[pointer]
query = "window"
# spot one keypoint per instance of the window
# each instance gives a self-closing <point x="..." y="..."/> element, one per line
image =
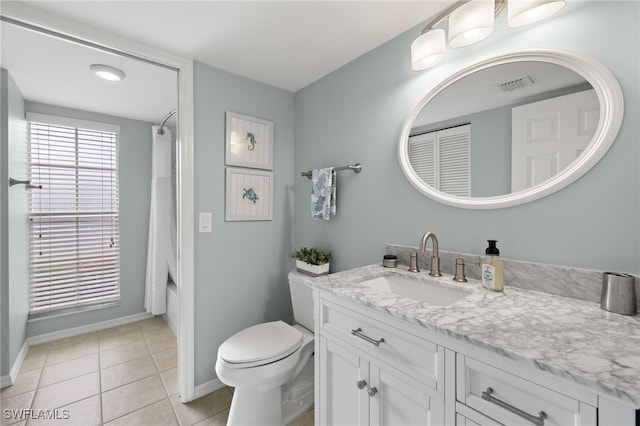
<point x="442" y="159"/>
<point x="74" y="258"/>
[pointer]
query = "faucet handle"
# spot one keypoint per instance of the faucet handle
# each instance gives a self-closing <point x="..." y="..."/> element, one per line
<point x="413" y="264"/>
<point x="459" y="276"/>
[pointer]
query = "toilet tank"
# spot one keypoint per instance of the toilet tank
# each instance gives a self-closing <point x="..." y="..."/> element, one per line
<point x="302" y="300"/>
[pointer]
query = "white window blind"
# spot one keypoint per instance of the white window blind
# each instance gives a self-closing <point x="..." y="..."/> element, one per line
<point x="74" y="258"/>
<point x="422" y="155"/>
<point x="442" y="159"/>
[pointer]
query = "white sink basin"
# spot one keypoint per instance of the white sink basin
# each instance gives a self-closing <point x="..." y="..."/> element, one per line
<point x="423" y="291"/>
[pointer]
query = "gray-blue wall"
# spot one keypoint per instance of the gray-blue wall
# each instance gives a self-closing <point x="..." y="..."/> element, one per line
<point x="13" y="224"/>
<point x="356" y="114"/>
<point x="241" y="267"/>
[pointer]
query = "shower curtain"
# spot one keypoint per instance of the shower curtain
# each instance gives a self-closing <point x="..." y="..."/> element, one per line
<point x="161" y="253"/>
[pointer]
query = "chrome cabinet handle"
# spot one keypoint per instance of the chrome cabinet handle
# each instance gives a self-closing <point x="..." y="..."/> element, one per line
<point x="361" y="384"/>
<point x="536" y="420"/>
<point x="358" y="332"/>
<point x="372" y="391"/>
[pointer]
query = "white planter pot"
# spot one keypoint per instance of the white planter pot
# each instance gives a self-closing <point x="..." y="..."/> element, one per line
<point x="313" y="270"/>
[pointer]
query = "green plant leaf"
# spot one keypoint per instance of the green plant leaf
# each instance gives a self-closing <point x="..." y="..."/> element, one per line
<point x="312" y="256"/>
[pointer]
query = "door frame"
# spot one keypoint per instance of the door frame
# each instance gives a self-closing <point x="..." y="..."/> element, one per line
<point x="59" y="26"/>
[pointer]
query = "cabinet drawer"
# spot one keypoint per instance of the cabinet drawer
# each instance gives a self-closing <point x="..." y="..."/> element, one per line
<point x="418" y="358"/>
<point x="510" y="399"/>
<point x="465" y="416"/>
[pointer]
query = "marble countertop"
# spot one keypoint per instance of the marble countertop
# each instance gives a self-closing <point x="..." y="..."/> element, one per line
<point x="571" y="338"/>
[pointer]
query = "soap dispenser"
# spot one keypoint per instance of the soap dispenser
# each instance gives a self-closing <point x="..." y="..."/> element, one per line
<point x="491" y="268"/>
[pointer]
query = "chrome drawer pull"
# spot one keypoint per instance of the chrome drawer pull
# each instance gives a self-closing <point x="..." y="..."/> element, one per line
<point x="358" y="332"/>
<point x="536" y="420"/>
<point x="372" y="392"/>
<point x="361" y="384"/>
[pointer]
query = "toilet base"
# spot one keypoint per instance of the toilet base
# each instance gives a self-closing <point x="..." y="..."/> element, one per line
<point x="264" y="409"/>
<point x="274" y="407"/>
<point x="297" y="397"/>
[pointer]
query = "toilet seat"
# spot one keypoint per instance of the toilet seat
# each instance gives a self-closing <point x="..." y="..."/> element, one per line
<point x="260" y="344"/>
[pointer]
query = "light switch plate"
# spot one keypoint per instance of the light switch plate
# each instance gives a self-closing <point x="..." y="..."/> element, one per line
<point x="205" y="222"/>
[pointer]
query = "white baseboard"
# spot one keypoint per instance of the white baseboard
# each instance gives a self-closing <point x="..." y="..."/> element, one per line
<point x="172" y="325"/>
<point x="76" y="331"/>
<point x="207" y="387"/>
<point x="10" y="378"/>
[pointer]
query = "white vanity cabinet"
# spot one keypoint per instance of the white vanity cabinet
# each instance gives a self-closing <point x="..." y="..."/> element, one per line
<point x="371" y="373"/>
<point x="375" y="369"/>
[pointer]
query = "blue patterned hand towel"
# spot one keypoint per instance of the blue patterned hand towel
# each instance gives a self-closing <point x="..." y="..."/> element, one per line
<point x="323" y="193"/>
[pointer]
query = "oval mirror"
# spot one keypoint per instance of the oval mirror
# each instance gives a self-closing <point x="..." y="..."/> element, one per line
<point x="511" y="129"/>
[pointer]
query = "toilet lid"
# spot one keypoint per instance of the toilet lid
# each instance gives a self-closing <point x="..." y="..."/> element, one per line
<point x="266" y="342"/>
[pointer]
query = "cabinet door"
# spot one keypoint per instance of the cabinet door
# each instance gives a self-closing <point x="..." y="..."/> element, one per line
<point x="341" y="401"/>
<point x="394" y="401"/>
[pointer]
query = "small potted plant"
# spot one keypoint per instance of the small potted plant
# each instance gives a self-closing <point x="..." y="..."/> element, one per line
<point x="312" y="261"/>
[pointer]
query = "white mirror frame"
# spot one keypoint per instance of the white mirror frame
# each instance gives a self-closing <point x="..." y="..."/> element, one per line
<point x="611" y="113"/>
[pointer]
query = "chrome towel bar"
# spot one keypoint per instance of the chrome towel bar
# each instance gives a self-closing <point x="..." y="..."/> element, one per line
<point x="356" y="168"/>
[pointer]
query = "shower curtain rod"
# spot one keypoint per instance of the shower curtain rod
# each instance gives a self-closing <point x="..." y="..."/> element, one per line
<point x="164" y="120"/>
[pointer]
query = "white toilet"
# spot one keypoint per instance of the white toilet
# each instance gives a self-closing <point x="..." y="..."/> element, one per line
<point x="270" y="365"/>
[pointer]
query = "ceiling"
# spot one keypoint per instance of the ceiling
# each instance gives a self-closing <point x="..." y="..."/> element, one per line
<point x="53" y="71"/>
<point x="286" y="44"/>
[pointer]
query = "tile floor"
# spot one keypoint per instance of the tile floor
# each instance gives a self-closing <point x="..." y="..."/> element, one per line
<point x="125" y="375"/>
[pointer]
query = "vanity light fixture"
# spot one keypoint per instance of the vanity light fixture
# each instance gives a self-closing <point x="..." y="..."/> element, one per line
<point x="107" y="72"/>
<point x="428" y="49"/>
<point x="471" y="21"/>
<point x="521" y="13"/>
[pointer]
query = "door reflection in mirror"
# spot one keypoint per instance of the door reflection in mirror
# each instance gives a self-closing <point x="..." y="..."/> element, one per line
<point x="491" y="104"/>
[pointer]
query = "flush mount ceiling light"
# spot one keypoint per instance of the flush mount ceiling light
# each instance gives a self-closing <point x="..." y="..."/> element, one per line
<point x="471" y="21"/>
<point x="107" y="72"/>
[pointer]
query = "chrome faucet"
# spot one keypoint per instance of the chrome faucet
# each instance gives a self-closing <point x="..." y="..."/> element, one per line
<point x="435" y="259"/>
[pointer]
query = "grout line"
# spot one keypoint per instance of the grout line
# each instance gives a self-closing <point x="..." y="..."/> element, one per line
<point x="157" y="373"/>
<point x="164" y="387"/>
<point x="100" y="381"/>
<point x="37" y="389"/>
<point x="173" y="410"/>
<point x="141" y="408"/>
